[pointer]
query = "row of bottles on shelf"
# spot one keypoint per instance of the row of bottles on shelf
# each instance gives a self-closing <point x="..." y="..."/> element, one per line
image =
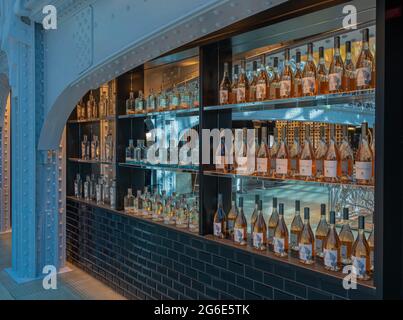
<point x="95" y="110"/>
<point x="101" y="190"/>
<point x="183" y="97"/>
<point x="174" y="210"/>
<point x="329" y="161"/>
<point x="91" y="150"/>
<point x="326" y="245"/>
<point x="341" y="76"/>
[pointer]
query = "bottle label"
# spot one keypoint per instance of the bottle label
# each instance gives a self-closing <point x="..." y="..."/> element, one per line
<point x="261" y="91"/>
<point x="217" y="229"/>
<point x="241" y="94"/>
<point x="319" y="245"/>
<point x="285" y="88"/>
<point x="330" y="258"/>
<point x="261" y="165"/>
<point x="305" y="168"/>
<point x="334" y="81"/>
<point x="223" y="96"/>
<point x="257" y="239"/>
<point x="281" y="166"/>
<point x="330" y="169"/>
<point x="363" y="170"/>
<point x="360" y="265"/>
<point x="305" y="252"/>
<point x="308" y="85"/>
<point x="278" y="245"/>
<point x="363" y="76"/>
<point x="219" y="162"/>
<point x="242" y="164"/>
<point x="293" y="239"/>
<point x="239" y="234"/>
<point x="343" y="252"/>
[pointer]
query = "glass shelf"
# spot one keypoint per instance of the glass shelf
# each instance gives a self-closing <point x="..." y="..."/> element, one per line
<point x="345" y="108"/>
<point x="284" y="181"/>
<point x="170" y="113"/>
<point x="189" y="169"/>
<point x="108" y="118"/>
<point x="79" y="160"/>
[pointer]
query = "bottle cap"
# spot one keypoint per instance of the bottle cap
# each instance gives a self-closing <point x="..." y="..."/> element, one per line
<point x="361" y="222"/>
<point x="297" y="205"/>
<point x="332" y="217"/>
<point x="348" y="46"/>
<point x="322" y="209"/>
<point x="306" y="213"/>
<point x="337" y="42"/>
<point x="281" y="208"/>
<point x="345" y="214"/>
<point x="241" y="202"/>
<point x="274" y="202"/>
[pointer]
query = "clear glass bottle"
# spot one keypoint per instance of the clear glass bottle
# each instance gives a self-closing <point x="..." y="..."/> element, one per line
<point x="259" y="234"/>
<point x="231" y="217"/>
<point x="346" y="238"/>
<point x="322" y="77"/>
<point x="253" y="82"/>
<point x="99" y="191"/>
<point x="194" y="217"/>
<point x="95" y="148"/>
<point x="350" y="82"/>
<point x="286" y="82"/>
<point x="139" y="151"/>
<point x="85" y="154"/>
<point x="140" y="103"/>
<point x="241" y="226"/>
<point x="243" y="85"/>
<point x="262" y="85"/>
<point x="306" y="241"/>
<point x="307" y="157"/>
<point x="273" y="221"/>
<point x="87" y="188"/>
<point x="80" y="108"/>
<point x="365" y="65"/>
<point x="220" y="220"/>
<point x="112" y="194"/>
<point x="282" y="158"/>
<point x="163" y="100"/>
<point x="78" y="186"/>
<point x="234" y="88"/>
<point x="175" y="99"/>
<point x="336" y="69"/>
<point x="222" y="157"/>
<point x="225" y="86"/>
<point x="186" y="97"/>
<point x="93" y="184"/>
<point x="332" y="159"/>
<point x="263" y="155"/>
<point x="280" y="239"/>
<point x="254" y="213"/>
<point x="293" y="153"/>
<point x="158" y="208"/>
<point x="346" y="158"/>
<point x="106" y="192"/>
<point x="109" y="146"/>
<point x="364" y="158"/>
<point x="320" y="154"/>
<point x="131" y="104"/>
<point x="274" y="88"/>
<point x="103" y="105"/>
<point x="321" y="231"/>
<point x="297" y="88"/>
<point x="331" y="247"/>
<point x="296" y="227"/>
<point x="182" y="215"/>
<point x="309" y="86"/>
<point x="130" y="151"/>
<point x="138" y="204"/>
<point x="128" y="201"/>
<point x="360" y="253"/>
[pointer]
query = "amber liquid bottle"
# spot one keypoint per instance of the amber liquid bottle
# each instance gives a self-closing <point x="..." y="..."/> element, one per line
<point x="321" y="231"/>
<point x="259" y="235"/>
<point x="297" y="88"/>
<point x="243" y="85"/>
<point x="241" y="226"/>
<point x="273" y="152"/>
<point x="371" y="244"/>
<point x="280" y="239"/>
<point x="309" y="87"/>
<point x="293" y="153"/>
<point x="262" y="85"/>
<point x="273" y="221"/>
<point x="275" y="81"/>
<point x="320" y="154"/>
<point x="364" y="158"/>
<point x="282" y="160"/>
<point x="231" y="217"/>
<point x="331" y="247"/>
<point x="233" y="97"/>
<point x="336" y="70"/>
<point x="307" y="158"/>
<point x="360" y="254"/>
<point x="321" y="75"/>
<point x="306" y="241"/>
<point x="263" y="155"/>
<point x="225" y="87"/>
<point x="296" y="227"/>
<point x="254" y="213"/>
<point x="365" y="65"/>
<point x="350" y="81"/>
<point x="220" y="220"/>
<point x="332" y="159"/>
<point x="253" y="83"/>
<point x="346" y="158"/>
<point x="286" y="81"/>
<point x="346" y="239"/>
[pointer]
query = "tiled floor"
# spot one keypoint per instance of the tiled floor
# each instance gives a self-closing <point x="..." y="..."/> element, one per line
<point x="73" y="285"/>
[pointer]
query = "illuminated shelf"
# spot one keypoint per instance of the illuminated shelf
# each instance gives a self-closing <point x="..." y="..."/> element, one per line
<point x="189" y="169"/>
<point x="108" y="118"/>
<point x="284" y="181"/>
<point x="345" y="108"/>
<point x="79" y="160"/>
<point x="169" y="113"/>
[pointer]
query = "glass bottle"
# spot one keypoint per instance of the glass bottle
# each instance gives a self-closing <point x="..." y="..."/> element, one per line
<point x="259" y="234"/>
<point x="80" y="109"/>
<point x="296" y="227"/>
<point x="331" y="247"/>
<point x="109" y="147"/>
<point x="365" y="65"/>
<point x="112" y="194"/>
<point x="92" y="108"/>
<point x="286" y="82"/>
<point x="158" y="208"/>
<point x="140" y="103"/>
<point x="175" y="99"/>
<point x="95" y="148"/>
<point x="182" y="215"/>
<point x="297" y="89"/>
<point x="243" y="85"/>
<point x="263" y="155"/>
<point x="282" y="158"/>
<point x="130" y="151"/>
<point x="363" y="161"/>
<point x="346" y="238"/>
<point x="346" y="158"/>
<point x="131" y="104"/>
<point x="321" y="231"/>
<point x="307" y="158"/>
<point x="78" y="186"/>
<point x="350" y="82"/>
<point x="186" y="97"/>
<point x="332" y="159"/>
<point x="195" y="94"/>
<point x="138" y="204"/>
<point x="194" y="218"/>
<point x="163" y="101"/>
<point x="321" y="74"/>
<point x="373" y="153"/>
<point x="262" y="85"/>
<point x="241" y="151"/>
<point x="273" y="221"/>
<point x="273" y="152"/>
<point x="240" y="226"/>
<point x="306" y="241"/>
<point x="280" y="239"/>
<point x="253" y="83"/>
<point x="254" y="213"/>
<point x="221" y="157"/>
<point x="336" y="69"/>
<point x="106" y="191"/>
<point x="87" y="188"/>
<point x="128" y="201"/>
<point x="220" y="220"/>
<point x="275" y="81"/>
<point x="139" y="151"/>
<point x="360" y="253"/>
<point x="371" y="244"/>
<point x="309" y="87"/>
<point x="85" y="148"/>
<point x="92" y="187"/>
<point x="100" y="191"/>
<point x="232" y="214"/>
<point x="152" y="102"/>
<point x="294" y="153"/>
<point x="103" y="105"/>
<point x="225" y="86"/>
<point x="320" y="154"/>
<point x="233" y="97"/>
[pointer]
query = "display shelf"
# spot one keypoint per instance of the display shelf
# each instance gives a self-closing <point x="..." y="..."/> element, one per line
<point x="169" y="113"/>
<point x="351" y="108"/>
<point x="79" y="160"/>
<point x="108" y="118"/>
<point x="284" y="181"/>
<point x="189" y="169"/>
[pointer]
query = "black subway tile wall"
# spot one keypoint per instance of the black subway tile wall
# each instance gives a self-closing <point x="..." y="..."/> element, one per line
<point x="144" y="260"/>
